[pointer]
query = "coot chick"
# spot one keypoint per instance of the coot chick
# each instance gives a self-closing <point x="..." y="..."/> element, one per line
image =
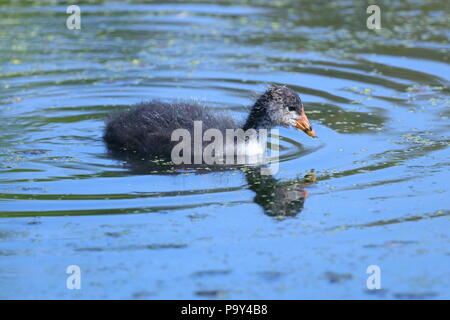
<point x="146" y="128"/>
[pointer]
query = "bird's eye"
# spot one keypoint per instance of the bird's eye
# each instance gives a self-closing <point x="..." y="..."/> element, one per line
<point x="292" y="108"/>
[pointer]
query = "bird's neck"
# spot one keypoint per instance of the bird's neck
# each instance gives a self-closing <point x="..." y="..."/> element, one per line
<point x="258" y="118"/>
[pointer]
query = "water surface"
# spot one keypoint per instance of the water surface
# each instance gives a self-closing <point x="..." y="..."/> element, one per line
<point x="373" y="190"/>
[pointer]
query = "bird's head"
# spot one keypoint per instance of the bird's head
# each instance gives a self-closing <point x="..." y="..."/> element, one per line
<point x="284" y="108"/>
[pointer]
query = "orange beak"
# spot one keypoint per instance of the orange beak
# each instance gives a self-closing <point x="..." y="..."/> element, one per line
<point x="304" y="125"/>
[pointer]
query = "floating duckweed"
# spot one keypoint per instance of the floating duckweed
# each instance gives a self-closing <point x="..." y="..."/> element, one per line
<point x="275" y="25"/>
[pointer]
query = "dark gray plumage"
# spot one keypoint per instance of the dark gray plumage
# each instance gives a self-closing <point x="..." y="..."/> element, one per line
<point x="146" y="129"/>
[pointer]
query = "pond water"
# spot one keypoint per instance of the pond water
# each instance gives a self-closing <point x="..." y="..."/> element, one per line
<point x="372" y="190"/>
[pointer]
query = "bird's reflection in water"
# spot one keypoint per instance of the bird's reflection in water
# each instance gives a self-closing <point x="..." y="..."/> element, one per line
<point x="279" y="198"/>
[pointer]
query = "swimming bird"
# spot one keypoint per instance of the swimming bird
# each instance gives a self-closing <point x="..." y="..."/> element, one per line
<point x="146" y="129"/>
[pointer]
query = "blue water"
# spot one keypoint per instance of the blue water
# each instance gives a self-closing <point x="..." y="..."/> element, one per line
<point x="372" y="190"/>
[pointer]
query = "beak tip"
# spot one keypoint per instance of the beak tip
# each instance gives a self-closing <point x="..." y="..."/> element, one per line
<point x="312" y="134"/>
<point x="304" y="125"/>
